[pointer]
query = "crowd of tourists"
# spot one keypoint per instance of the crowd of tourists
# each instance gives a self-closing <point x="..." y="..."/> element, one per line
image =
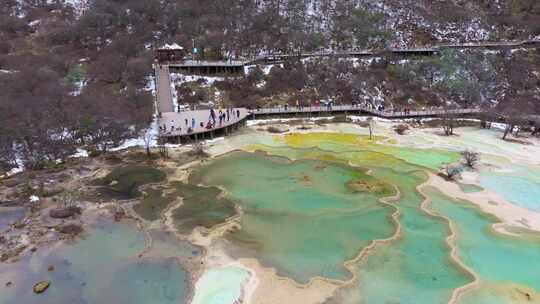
<point x="216" y="119"/>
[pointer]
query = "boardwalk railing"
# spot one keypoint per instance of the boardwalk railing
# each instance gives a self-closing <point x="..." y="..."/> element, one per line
<point x="412" y="50"/>
<point x="356" y="108"/>
<point x="178" y="125"/>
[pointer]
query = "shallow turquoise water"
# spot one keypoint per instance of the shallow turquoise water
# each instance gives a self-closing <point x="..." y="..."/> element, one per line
<point x="517" y="187"/>
<point x="9" y="215"/>
<point x="279" y="226"/>
<point x="102" y="268"/>
<point x="300" y="217"/>
<point x="494" y="257"/>
<point x="220" y="285"/>
<point x="416" y="264"/>
<point x="306" y="218"/>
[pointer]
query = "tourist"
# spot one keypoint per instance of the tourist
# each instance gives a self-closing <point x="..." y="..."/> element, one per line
<point x="228" y="114"/>
<point x="213" y="116"/>
<point x="193" y="123"/>
<point x="238" y="113"/>
<point x="202" y="124"/>
<point x="186" y="120"/>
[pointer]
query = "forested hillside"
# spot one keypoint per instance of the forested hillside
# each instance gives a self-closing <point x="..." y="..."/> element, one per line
<point x="78" y="73"/>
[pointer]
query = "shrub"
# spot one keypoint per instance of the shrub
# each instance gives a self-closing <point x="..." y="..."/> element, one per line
<point x="470" y="158"/>
<point x="275" y="130"/>
<point x="198" y="151"/>
<point x="451" y="171"/>
<point x="401" y="129"/>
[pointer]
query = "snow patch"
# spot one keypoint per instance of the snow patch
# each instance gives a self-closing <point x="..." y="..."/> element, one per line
<point x="148" y="136"/>
<point x="215" y="140"/>
<point x="80" y="153"/>
<point x="79" y="86"/>
<point x="173" y="46"/>
<point x="79" y="6"/>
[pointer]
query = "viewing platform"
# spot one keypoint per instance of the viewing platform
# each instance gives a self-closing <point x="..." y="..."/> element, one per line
<point x="181" y="126"/>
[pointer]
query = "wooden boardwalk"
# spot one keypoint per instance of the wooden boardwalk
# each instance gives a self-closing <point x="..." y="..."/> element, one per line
<point x="420" y="51"/>
<point x="174" y="124"/>
<point x="360" y="110"/>
<point x="188" y="123"/>
<point x="163" y="87"/>
<point x="177" y="127"/>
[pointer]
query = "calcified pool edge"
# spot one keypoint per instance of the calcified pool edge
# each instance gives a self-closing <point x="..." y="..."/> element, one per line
<point x="450" y="240"/>
<point x="208" y="238"/>
<point x="365" y="252"/>
<point x="76" y="275"/>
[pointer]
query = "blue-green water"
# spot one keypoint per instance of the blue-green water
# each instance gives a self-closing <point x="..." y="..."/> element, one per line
<point x="493" y="256"/>
<point x="221" y="285"/>
<point x="320" y="226"/>
<point x="102" y="268"/>
<point x="520" y="187"/>
<point x="310" y="204"/>
<point x="419" y="262"/>
<point x="9" y="215"/>
<point x="300" y="217"/>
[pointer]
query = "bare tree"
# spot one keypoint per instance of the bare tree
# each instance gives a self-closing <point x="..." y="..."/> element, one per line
<point x="371" y="125"/>
<point x="161" y="141"/>
<point x="198" y="150"/>
<point x="8" y="155"/>
<point x="67" y="205"/>
<point x="470" y="158"/>
<point x="448" y="120"/>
